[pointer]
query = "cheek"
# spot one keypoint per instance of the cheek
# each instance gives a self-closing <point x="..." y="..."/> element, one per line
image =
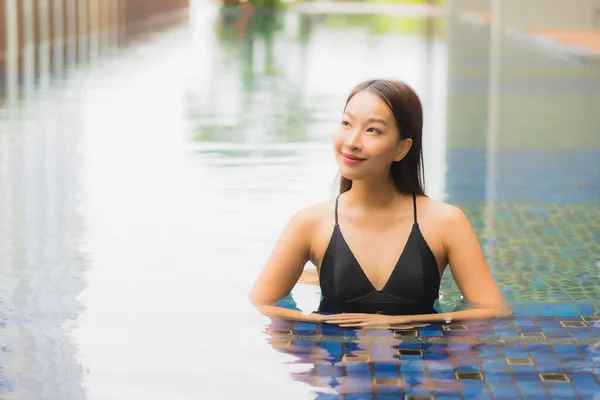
<point x="338" y="140"/>
<point x="385" y="152"/>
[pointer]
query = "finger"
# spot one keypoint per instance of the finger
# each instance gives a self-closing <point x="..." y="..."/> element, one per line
<point x="346" y="316"/>
<point x="352" y="325"/>
<point x="351" y="321"/>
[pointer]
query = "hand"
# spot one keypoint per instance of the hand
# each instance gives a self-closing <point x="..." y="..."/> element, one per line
<point x="313" y="318"/>
<point x="352" y="320"/>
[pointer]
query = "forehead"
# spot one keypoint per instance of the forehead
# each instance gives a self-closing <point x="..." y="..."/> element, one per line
<point x="368" y="104"/>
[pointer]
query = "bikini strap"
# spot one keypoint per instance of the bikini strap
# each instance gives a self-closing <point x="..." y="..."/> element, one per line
<point x="336" y="208"/>
<point x="414" y="206"/>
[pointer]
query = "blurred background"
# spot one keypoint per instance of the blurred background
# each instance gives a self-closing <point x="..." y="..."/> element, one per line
<point x="151" y="151"/>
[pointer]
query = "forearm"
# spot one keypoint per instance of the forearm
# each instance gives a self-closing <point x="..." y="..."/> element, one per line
<point x="287" y="314"/>
<point x="477" y="314"/>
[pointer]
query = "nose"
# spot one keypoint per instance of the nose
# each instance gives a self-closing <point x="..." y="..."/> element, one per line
<point x="353" y="139"/>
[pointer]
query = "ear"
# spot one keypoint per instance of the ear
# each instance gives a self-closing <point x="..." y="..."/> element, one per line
<point x="403" y="148"/>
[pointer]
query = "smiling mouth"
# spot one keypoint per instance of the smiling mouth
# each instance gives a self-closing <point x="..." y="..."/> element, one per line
<point x="351" y="157"/>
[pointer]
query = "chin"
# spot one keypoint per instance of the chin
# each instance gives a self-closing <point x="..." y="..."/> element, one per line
<point x="352" y="175"/>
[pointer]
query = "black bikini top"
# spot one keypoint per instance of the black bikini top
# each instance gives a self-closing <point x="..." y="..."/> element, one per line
<point x="412" y="287"/>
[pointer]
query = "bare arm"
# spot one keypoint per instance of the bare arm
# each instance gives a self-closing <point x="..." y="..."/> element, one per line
<point x="283" y="269"/>
<point x="471" y="272"/>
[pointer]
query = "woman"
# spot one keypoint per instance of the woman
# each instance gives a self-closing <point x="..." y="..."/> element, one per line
<point x="381" y="246"/>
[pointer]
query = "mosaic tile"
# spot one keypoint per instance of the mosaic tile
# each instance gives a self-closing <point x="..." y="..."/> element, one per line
<point x="557" y="241"/>
<point x="508" y="355"/>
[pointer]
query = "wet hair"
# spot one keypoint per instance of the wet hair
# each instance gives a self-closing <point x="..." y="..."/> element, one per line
<point x="405" y="105"/>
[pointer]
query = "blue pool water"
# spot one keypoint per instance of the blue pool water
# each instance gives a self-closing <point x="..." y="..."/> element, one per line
<point x="141" y="191"/>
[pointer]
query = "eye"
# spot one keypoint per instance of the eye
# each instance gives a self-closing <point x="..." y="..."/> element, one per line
<point x="374" y="130"/>
<point x="345" y="123"/>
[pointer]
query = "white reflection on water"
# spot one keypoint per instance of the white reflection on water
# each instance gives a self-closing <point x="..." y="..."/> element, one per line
<point x="128" y="247"/>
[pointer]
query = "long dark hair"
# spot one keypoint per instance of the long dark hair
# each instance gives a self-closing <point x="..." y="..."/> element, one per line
<point x="405" y="104"/>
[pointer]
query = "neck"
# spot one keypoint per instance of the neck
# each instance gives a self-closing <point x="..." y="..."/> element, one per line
<point x="372" y="194"/>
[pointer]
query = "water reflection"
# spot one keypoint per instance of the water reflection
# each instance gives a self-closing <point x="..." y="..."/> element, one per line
<point x="369" y="362"/>
<point x="43" y="39"/>
<point x="40" y="259"/>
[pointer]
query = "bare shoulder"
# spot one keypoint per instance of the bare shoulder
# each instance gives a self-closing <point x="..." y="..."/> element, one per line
<point x="312" y="216"/>
<point x="446" y="219"/>
<point x="442" y="213"/>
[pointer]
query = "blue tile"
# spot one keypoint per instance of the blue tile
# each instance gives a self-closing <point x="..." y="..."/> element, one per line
<point x="411" y="346"/>
<point x="303" y="343"/>
<point x="431" y="333"/>
<point x="582" y="334"/>
<point x="358" y="367"/>
<point x="514" y="348"/>
<point x="523" y="368"/>
<point x="565" y="348"/>
<point x="385" y="366"/>
<point x="467" y="368"/>
<point x="507" y="395"/>
<point x="362" y="375"/>
<point x="304" y="326"/>
<point x="412" y="367"/>
<point x="528" y="328"/>
<point x="531" y="391"/>
<point x="557" y="334"/>
<point x="459" y="347"/>
<point x="566" y="391"/>
<point x="359" y="397"/>
<point x="508" y="334"/>
<point x="441" y="375"/>
<point x="584" y="379"/>
<point x="524" y="321"/>
<point x="494" y="365"/>
<point x="386" y="374"/>
<point x="412" y="376"/>
<point x="497" y="378"/>
<point x="334" y="348"/>
<point x="331" y="330"/>
<point x="435" y="356"/>
<point x="540" y="349"/>
<point x="418" y="392"/>
<point x="327" y="396"/>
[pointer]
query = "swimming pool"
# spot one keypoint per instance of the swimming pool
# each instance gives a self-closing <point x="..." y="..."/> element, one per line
<point x="141" y="194"/>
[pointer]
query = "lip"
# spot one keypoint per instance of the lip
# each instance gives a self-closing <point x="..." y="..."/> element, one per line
<point x="350" y="159"/>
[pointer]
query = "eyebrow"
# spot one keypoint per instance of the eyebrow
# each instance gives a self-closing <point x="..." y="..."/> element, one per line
<point x="381" y="121"/>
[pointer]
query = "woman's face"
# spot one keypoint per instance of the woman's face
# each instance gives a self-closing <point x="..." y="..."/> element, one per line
<point x="367" y="140"/>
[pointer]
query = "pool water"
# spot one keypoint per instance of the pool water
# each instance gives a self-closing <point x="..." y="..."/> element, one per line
<point x="142" y="191"/>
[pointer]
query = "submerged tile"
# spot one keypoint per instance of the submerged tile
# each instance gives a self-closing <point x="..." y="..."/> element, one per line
<point x="591" y="319"/>
<point x="388" y="381"/>
<point x="409" y="333"/>
<point x="455" y="327"/>
<point x="573" y="324"/>
<point x="409" y="352"/>
<point x="554" y="377"/>
<point x="519" y="361"/>
<point x="356" y="358"/>
<point x="469" y="375"/>
<point x="533" y="334"/>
